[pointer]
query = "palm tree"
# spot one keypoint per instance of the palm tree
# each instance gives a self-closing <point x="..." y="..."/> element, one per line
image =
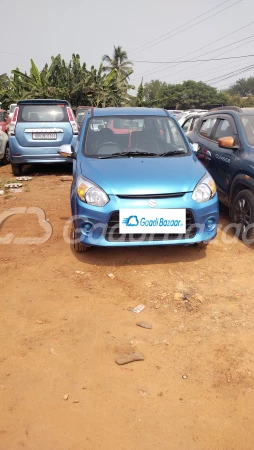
<point x="119" y="61"/>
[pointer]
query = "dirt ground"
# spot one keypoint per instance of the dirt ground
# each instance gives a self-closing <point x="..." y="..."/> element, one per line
<point x="61" y="332"/>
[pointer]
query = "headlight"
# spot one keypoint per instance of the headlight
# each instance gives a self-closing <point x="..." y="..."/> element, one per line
<point x="205" y="189"/>
<point x="91" y="193"/>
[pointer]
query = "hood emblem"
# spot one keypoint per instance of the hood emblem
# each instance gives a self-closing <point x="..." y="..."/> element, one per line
<point x="152" y="203"/>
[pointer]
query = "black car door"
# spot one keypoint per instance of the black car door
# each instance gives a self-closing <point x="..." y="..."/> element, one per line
<point x="202" y="136"/>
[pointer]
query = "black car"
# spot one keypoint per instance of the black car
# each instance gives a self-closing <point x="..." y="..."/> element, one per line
<point x="224" y="142"/>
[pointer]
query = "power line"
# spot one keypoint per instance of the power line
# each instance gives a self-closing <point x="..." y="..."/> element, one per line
<point x="196" y="60"/>
<point x="210" y="71"/>
<point x="229" y="75"/>
<point x="195" y="51"/>
<point x="175" y="73"/>
<point x="147" y="46"/>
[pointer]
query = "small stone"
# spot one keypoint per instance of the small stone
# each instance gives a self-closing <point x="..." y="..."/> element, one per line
<point x="79" y="272"/>
<point x="186" y="296"/>
<point x="66" y="396"/>
<point x="111" y="275"/>
<point x="8" y="374"/>
<point x="144" y="325"/>
<point x="143" y="391"/>
<point x="128" y="358"/>
<point x="164" y="295"/>
<point x="157" y="306"/>
<point x="160" y="394"/>
<point x="66" y="178"/>
<point x="185" y="377"/>
<point x="39" y="321"/>
<point x="149" y="284"/>
<point x="75" y="401"/>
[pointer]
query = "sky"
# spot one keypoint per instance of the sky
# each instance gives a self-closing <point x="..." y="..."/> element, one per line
<point x="39" y="30"/>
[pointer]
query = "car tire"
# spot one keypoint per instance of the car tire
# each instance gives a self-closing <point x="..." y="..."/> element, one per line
<point x="6" y="158"/>
<point x="16" y="169"/>
<point x="202" y="245"/>
<point x="242" y="214"/>
<point x="77" y="246"/>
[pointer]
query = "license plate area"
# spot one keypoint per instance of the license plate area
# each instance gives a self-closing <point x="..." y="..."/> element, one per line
<point x="156" y="221"/>
<point x="44" y="136"/>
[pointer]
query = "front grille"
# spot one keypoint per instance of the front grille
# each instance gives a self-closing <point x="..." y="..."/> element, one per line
<point x="151" y="196"/>
<point x="113" y="234"/>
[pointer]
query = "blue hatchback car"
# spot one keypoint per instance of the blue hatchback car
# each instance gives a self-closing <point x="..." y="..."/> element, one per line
<point x="37" y="129"/>
<point x="137" y="181"/>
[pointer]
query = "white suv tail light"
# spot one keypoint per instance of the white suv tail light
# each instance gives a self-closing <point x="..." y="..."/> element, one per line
<point x="13" y="123"/>
<point x="72" y="120"/>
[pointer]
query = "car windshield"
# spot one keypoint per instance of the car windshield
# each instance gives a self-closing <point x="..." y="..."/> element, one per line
<point x="248" y="126"/>
<point x="133" y="135"/>
<point x="43" y="113"/>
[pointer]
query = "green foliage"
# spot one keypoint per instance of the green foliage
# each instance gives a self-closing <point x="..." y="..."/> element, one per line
<point x="189" y="94"/>
<point x="140" y="95"/>
<point x="105" y="86"/>
<point x="243" y="87"/>
<point x="109" y="86"/>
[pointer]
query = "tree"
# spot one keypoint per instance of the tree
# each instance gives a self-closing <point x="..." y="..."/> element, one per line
<point x="189" y="94"/>
<point x="118" y="61"/>
<point x="243" y="87"/>
<point x="140" y="95"/>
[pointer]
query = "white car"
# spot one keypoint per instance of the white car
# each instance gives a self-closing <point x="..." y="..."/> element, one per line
<point x="4" y="148"/>
<point x="11" y="110"/>
<point x="189" y="121"/>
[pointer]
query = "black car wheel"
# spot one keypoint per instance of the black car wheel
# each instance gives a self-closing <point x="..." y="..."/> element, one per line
<point x="16" y="169"/>
<point x="77" y="246"/>
<point x="243" y="214"/>
<point x="6" y="158"/>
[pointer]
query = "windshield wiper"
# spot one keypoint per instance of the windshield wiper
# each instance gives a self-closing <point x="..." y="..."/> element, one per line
<point x="115" y="155"/>
<point x="175" y="152"/>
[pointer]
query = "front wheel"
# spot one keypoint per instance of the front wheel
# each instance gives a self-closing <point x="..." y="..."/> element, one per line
<point x="6" y="158"/>
<point x="243" y="214"/>
<point x="16" y="169"/>
<point x="202" y="245"/>
<point x="77" y="246"/>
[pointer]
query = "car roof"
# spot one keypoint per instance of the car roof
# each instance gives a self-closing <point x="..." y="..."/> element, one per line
<point x="230" y="109"/>
<point x="130" y="111"/>
<point x="39" y="101"/>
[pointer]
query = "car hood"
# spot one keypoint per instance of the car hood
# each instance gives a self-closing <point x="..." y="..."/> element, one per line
<point x="140" y="176"/>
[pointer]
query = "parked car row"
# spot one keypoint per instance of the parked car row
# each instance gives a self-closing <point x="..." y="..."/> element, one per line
<point x="127" y="161"/>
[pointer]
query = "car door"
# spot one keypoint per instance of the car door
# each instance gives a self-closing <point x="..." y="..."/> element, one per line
<point x="224" y="160"/>
<point x="202" y="136"/>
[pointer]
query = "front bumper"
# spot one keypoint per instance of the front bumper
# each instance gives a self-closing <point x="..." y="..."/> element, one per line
<point x="94" y="225"/>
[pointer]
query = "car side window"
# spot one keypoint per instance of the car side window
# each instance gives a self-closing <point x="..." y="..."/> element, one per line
<point x="186" y="124"/>
<point x="224" y="129"/>
<point x="207" y="126"/>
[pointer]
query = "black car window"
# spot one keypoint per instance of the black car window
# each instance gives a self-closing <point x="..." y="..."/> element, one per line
<point x="224" y="129"/>
<point x="207" y="126"/>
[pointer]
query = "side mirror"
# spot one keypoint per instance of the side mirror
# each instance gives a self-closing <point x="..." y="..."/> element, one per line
<point x="195" y="147"/>
<point x="67" y="151"/>
<point x="227" y="142"/>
